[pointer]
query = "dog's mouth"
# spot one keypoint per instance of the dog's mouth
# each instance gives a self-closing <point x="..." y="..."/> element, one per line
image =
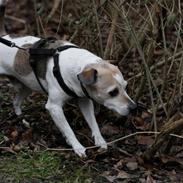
<point x="123" y="111"/>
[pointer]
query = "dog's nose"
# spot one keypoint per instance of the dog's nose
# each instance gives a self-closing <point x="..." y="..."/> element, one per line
<point x="132" y="106"/>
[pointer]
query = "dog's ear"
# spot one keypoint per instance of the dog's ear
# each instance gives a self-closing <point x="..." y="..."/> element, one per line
<point x="88" y="76"/>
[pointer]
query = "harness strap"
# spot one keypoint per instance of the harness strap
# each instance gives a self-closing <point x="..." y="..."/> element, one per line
<point x="45" y="52"/>
<point x="58" y="76"/>
<point x="42" y="52"/>
<point x="35" y="52"/>
<point x="9" y="43"/>
<point x="33" y="65"/>
<point x="84" y="90"/>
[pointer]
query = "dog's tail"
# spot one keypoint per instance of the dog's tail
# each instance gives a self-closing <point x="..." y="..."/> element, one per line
<point x="2" y="13"/>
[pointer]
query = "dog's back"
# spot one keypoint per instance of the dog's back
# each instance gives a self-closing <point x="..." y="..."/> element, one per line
<point x="7" y="54"/>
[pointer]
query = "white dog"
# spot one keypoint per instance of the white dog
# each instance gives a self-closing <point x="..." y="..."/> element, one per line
<point x="83" y="73"/>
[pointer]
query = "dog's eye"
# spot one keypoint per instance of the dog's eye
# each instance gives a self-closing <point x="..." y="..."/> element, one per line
<point x="114" y="92"/>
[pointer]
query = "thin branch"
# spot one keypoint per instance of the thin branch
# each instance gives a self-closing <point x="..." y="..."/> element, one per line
<point x="112" y="142"/>
<point x="159" y="64"/>
<point x="111" y="33"/>
<point x="54" y="9"/>
<point x="98" y="28"/>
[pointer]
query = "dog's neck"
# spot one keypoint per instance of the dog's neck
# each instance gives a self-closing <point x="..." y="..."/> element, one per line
<point x="73" y="64"/>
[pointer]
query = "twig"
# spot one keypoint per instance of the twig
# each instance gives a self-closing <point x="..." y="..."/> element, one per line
<point x="114" y="141"/>
<point x="54" y="8"/>
<point x="149" y="76"/>
<point x="111" y="33"/>
<point x="98" y="27"/>
<point x="178" y="38"/>
<point x="181" y="62"/>
<point x="42" y="27"/>
<point x="37" y="21"/>
<point x="61" y="12"/>
<point x="159" y="64"/>
<point x="15" y="19"/>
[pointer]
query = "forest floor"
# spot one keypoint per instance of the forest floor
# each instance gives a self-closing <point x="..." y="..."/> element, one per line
<point x="25" y="158"/>
<point x="26" y="141"/>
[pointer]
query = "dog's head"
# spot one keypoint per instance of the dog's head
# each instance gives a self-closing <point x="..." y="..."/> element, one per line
<point x="106" y="85"/>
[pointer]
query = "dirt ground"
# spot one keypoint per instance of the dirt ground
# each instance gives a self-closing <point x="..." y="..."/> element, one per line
<point x="145" y="32"/>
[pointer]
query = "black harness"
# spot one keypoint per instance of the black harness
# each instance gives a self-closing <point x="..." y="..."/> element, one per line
<point x="46" y="52"/>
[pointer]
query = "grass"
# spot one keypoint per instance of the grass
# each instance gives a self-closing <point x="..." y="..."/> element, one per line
<point x="41" y="167"/>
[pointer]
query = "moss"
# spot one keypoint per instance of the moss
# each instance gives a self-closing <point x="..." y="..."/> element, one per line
<point x="40" y="167"/>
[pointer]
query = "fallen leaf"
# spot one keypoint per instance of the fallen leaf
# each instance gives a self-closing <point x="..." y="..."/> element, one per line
<point x="119" y="164"/>
<point x="110" y="130"/>
<point x="27" y="135"/>
<point x="14" y="135"/>
<point x="139" y="123"/>
<point x="16" y="148"/>
<point x="145" y="140"/>
<point x="123" y="175"/>
<point x="170" y="162"/>
<point x="109" y="177"/>
<point x="132" y="165"/>
<point x="150" y="179"/>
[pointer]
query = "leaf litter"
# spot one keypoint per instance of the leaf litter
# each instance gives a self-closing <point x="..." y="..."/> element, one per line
<point x="34" y="131"/>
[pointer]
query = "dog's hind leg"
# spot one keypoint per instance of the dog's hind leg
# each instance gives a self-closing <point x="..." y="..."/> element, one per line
<point x="87" y="109"/>
<point x="22" y="93"/>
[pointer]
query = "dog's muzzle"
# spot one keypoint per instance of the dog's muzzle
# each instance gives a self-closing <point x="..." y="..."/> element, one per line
<point x="132" y="106"/>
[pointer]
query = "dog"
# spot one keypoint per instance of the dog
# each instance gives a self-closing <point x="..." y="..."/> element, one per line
<point x="103" y="82"/>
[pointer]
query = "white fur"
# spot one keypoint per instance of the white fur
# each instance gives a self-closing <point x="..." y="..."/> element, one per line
<point x="3" y="2"/>
<point x="120" y="79"/>
<point x="72" y="62"/>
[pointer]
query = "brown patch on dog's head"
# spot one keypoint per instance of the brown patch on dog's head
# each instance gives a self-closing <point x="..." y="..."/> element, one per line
<point x="21" y="63"/>
<point x="99" y="77"/>
<point x="109" y="87"/>
<point x="88" y="76"/>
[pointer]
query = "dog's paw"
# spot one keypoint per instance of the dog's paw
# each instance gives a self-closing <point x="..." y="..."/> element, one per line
<point x="80" y="151"/>
<point x="18" y="111"/>
<point x="17" y="108"/>
<point x="99" y="141"/>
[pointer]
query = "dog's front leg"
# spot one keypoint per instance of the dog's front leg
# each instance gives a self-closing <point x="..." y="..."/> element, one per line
<point x="87" y="109"/>
<point x="58" y="116"/>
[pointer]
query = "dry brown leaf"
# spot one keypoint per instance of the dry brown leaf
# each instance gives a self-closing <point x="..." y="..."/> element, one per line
<point x="109" y="177"/>
<point x="14" y="135"/>
<point x="150" y="179"/>
<point x="27" y="135"/>
<point x="16" y="148"/>
<point x="145" y="140"/>
<point x="132" y="165"/>
<point x="110" y="130"/>
<point x="140" y="123"/>
<point x="123" y="175"/>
